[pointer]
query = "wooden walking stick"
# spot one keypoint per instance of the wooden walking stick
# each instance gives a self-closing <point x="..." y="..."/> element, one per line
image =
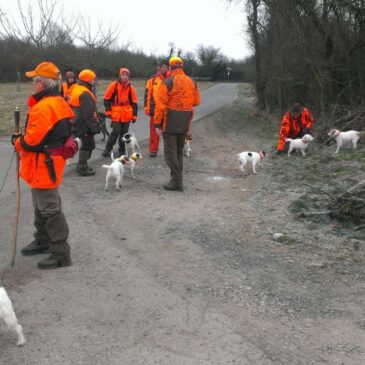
<point x="17" y="207"/>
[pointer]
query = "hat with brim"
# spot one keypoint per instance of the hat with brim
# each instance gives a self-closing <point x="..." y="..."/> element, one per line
<point x="45" y="69"/>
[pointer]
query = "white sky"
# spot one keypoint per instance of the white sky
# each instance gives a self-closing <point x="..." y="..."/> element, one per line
<point x="151" y="25"/>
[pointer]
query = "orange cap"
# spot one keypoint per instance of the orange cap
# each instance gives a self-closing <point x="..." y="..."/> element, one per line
<point x="87" y="76"/>
<point x="45" y="69"/>
<point x="176" y="61"/>
<point x="124" y="69"/>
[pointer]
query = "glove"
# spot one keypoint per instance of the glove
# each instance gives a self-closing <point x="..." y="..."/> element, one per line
<point x="14" y="137"/>
<point x="133" y="121"/>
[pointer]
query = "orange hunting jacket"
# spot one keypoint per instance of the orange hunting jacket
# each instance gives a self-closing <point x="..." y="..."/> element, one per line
<point x="175" y="99"/>
<point x="48" y="126"/>
<point x="292" y="127"/>
<point x="120" y="102"/>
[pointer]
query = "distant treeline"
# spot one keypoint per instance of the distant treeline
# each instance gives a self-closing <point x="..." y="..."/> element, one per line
<point x="19" y="56"/>
<point x="312" y="51"/>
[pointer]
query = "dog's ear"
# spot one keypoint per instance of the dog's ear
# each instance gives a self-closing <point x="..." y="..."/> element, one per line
<point x="263" y="152"/>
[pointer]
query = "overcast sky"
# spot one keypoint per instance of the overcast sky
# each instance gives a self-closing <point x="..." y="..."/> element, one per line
<point x="150" y="25"/>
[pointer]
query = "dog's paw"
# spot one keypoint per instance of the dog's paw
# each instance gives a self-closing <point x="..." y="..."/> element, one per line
<point x="21" y="342"/>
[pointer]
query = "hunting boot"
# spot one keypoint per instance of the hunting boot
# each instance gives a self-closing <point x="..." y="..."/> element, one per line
<point x="82" y="168"/>
<point x="35" y="247"/>
<point x="57" y="230"/>
<point x="171" y="186"/>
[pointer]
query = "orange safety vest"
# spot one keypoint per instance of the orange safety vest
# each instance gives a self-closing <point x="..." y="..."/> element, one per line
<point x="47" y="127"/>
<point x="77" y="90"/>
<point x="118" y="99"/>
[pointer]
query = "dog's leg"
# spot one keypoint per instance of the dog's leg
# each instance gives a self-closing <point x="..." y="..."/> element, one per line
<point x="132" y="170"/>
<point x="290" y="150"/>
<point x="254" y="167"/>
<point x="354" y="143"/>
<point x="13" y="325"/>
<point x="107" y="180"/>
<point x="303" y="152"/>
<point x="242" y="165"/>
<point x="339" y="144"/>
<point x="118" y="183"/>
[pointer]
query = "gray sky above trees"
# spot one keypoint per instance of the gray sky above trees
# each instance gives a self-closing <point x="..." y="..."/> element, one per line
<point x="151" y="25"/>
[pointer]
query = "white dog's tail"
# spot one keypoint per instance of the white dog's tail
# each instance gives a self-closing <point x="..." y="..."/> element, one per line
<point x="107" y="167"/>
<point x="288" y="140"/>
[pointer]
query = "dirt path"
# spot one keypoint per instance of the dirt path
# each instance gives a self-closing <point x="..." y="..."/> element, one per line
<point x="182" y="278"/>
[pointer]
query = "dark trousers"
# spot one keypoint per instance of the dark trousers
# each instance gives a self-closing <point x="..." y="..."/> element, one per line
<point x="50" y="222"/>
<point x="86" y="149"/>
<point x="119" y="130"/>
<point x="173" y="150"/>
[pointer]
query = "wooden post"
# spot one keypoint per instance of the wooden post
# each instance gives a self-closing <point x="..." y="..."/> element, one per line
<point x="17" y="207"/>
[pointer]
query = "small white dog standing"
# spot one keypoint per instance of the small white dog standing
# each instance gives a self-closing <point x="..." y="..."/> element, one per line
<point x="343" y="138"/>
<point x="116" y="171"/>
<point x="254" y="158"/>
<point x="299" y="144"/>
<point x="187" y="148"/>
<point x="7" y="314"/>
<point x="131" y="143"/>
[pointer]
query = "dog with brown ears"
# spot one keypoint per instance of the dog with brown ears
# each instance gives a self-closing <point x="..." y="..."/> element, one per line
<point x="345" y="138"/>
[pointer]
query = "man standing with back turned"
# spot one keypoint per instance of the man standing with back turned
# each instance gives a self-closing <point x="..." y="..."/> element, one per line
<point x="176" y="97"/>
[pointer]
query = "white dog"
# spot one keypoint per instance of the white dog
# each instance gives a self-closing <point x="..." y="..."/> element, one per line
<point x="131" y="143"/>
<point x="8" y="315"/>
<point x="187" y="148"/>
<point x="116" y="171"/>
<point x="299" y="144"/>
<point x="254" y="158"/>
<point x="130" y="161"/>
<point x="343" y="138"/>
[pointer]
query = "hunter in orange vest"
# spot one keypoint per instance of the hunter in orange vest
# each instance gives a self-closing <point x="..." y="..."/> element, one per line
<point x="120" y="102"/>
<point x="84" y="124"/>
<point x="46" y="131"/>
<point x="67" y="85"/>
<point x="152" y="86"/>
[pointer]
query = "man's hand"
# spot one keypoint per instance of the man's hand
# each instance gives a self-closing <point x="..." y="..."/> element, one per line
<point x="158" y="131"/>
<point x="14" y="137"/>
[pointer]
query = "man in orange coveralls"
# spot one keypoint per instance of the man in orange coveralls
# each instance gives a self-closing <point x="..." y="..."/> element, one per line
<point x="152" y="86"/>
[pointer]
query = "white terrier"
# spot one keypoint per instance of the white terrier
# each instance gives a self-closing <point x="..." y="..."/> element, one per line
<point x="254" y="158"/>
<point x="116" y="171"/>
<point x="8" y="315"/>
<point x="343" y="138"/>
<point x="130" y="161"/>
<point x="131" y="143"/>
<point x="187" y="148"/>
<point x="299" y="144"/>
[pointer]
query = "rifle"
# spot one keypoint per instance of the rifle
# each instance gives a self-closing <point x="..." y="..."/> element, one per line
<point x="17" y="207"/>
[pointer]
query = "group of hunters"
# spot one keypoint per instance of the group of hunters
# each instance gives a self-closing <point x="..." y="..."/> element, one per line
<point x="55" y="115"/>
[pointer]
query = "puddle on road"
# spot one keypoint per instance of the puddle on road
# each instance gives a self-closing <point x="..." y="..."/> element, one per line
<point x="217" y="178"/>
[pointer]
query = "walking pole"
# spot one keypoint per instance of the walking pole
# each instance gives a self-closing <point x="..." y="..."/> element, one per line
<point x="17" y="207"/>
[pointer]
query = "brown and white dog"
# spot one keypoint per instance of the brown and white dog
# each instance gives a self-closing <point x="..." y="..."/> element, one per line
<point x="7" y="314"/>
<point x="254" y="158"/>
<point x="130" y="161"/>
<point x="345" y="138"/>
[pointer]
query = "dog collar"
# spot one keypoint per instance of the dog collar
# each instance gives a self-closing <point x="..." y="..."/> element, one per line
<point x="305" y="142"/>
<point x="337" y="134"/>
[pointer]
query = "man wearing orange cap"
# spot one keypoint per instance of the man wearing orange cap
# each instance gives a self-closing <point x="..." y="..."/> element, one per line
<point x="152" y="86"/>
<point x="42" y="164"/>
<point x="84" y="124"/>
<point x="176" y="97"/>
<point x="120" y="102"/>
